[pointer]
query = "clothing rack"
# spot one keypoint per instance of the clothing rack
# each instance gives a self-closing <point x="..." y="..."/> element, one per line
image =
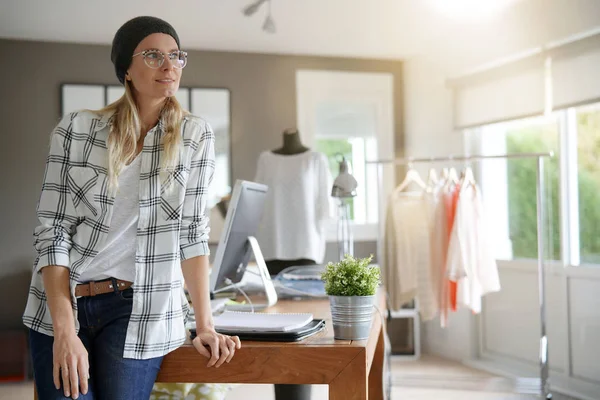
<point x="541" y="214"/>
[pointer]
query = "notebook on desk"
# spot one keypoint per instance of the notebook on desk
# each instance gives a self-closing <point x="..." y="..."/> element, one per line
<point x="261" y="322"/>
<point x="216" y="306"/>
<point x="296" y="335"/>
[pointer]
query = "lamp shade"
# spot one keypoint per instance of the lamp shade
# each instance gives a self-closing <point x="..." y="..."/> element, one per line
<point x="344" y="185"/>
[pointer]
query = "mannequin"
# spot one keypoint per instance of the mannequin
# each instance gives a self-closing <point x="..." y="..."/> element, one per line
<point x="291" y="143"/>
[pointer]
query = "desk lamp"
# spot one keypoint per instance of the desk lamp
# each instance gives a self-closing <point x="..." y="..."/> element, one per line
<point x="344" y="188"/>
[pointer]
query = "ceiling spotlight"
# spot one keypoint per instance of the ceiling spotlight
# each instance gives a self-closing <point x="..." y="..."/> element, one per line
<point x="269" y="25"/>
<point x="252" y="8"/>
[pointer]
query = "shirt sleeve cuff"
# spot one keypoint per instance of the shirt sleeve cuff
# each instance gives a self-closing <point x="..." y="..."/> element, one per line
<point x="194" y="250"/>
<point x="52" y="257"/>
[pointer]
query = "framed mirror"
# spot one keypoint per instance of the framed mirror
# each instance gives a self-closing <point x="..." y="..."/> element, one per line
<point x="78" y="97"/>
<point x="213" y="105"/>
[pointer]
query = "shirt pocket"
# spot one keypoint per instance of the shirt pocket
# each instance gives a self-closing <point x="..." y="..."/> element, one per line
<point x="85" y="185"/>
<point x="172" y="198"/>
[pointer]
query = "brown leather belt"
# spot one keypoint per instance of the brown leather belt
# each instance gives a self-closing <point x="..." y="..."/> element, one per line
<point x="100" y="287"/>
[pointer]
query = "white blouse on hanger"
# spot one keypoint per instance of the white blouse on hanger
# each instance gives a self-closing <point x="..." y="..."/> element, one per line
<point x="471" y="261"/>
<point x="406" y="270"/>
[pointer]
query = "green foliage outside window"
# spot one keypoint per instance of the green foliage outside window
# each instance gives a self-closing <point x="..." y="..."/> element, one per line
<point x="522" y="198"/>
<point x="331" y="148"/>
<point x="588" y="143"/>
<point x="522" y="189"/>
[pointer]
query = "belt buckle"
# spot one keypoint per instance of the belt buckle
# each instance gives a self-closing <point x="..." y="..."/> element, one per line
<point x="92" y="288"/>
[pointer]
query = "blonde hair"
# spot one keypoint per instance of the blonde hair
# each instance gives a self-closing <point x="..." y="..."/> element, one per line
<point x="125" y="133"/>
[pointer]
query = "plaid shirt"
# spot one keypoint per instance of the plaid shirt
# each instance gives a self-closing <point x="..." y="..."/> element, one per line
<point x="75" y="211"/>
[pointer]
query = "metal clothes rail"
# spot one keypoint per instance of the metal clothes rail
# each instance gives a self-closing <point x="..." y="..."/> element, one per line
<point x="541" y="217"/>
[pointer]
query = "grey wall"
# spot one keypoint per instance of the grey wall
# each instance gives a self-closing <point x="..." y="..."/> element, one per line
<point x="263" y="104"/>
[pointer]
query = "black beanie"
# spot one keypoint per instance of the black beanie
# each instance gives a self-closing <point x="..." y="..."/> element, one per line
<point x="130" y="35"/>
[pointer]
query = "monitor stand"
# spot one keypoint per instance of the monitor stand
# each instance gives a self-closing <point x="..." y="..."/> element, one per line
<point x="266" y="280"/>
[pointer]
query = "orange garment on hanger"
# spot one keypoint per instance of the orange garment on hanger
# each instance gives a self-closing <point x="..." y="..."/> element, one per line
<point x="451" y="202"/>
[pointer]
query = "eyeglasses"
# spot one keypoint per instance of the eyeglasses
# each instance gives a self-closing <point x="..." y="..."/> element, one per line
<point x="155" y="58"/>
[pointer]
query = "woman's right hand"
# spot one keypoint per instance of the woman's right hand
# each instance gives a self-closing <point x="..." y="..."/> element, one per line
<point x="71" y="364"/>
<point x="70" y="358"/>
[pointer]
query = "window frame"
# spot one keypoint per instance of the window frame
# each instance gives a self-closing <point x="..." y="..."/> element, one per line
<point x="376" y="89"/>
<point x="571" y="134"/>
<point x="569" y="212"/>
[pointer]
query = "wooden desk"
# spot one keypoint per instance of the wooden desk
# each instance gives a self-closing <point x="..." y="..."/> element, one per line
<point x="352" y="369"/>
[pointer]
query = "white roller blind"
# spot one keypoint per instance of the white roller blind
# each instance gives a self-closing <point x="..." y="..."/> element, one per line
<point x="345" y="119"/>
<point x="576" y="76"/>
<point x="507" y="93"/>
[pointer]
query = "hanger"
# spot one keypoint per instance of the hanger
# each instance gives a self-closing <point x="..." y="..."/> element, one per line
<point x="450" y="179"/>
<point x="453" y="175"/>
<point x="445" y="173"/>
<point x="432" y="178"/>
<point x="467" y="178"/>
<point x="412" y="176"/>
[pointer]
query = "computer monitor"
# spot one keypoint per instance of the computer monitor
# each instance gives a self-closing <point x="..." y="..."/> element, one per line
<point x="238" y="241"/>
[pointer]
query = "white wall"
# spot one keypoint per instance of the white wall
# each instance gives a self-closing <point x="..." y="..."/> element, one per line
<point x="429" y="132"/>
<point x="506" y="336"/>
<point x="428" y="111"/>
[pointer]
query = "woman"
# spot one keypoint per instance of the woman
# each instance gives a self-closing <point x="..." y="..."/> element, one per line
<point x="123" y="224"/>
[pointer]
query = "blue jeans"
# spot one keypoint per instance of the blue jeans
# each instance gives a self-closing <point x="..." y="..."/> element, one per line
<point x="103" y="320"/>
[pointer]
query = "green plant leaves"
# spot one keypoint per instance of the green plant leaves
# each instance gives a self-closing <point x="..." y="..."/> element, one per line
<point x="351" y="277"/>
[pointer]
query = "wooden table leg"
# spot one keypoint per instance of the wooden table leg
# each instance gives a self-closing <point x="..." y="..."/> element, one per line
<point x="351" y="383"/>
<point x="376" y="373"/>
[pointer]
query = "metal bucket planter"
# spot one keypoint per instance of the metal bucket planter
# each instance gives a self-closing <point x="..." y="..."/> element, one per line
<point x="352" y="316"/>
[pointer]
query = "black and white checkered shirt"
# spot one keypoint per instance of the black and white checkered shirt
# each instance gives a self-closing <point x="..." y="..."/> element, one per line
<point x="75" y="211"/>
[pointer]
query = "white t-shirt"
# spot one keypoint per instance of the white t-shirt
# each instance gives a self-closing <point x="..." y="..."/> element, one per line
<point x="298" y="202"/>
<point x="117" y="257"/>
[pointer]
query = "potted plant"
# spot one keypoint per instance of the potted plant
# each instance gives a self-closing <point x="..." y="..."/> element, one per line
<point x="351" y="285"/>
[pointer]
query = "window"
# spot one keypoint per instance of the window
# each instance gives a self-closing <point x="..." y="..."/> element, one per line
<point x="347" y="128"/>
<point x="572" y="184"/>
<point x="509" y="185"/>
<point x="333" y="148"/>
<point x="351" y="113"/>
<point x="588" y="179"/>
<point x="537" y="135"/>
<point x="363" y="207"/>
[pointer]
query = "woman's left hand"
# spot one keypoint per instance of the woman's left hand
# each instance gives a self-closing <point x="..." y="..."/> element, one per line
<point x="222" y="347"/>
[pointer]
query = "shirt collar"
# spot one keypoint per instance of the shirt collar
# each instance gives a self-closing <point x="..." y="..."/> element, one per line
<point x="105" y="120"/>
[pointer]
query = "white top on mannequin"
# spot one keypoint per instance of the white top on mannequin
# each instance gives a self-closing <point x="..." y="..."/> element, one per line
<point x="117" y="257"/>
<point x="297" y="205"/>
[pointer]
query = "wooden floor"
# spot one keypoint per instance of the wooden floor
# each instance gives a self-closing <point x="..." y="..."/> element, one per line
<point x="428" y="378"/>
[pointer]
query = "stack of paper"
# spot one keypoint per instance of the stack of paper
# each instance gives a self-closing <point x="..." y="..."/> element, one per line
<point x="260" y="322"/>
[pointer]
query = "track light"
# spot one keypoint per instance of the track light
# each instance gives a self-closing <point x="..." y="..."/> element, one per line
<point x="269" y="25"/>
<point x="251" y="9"/>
